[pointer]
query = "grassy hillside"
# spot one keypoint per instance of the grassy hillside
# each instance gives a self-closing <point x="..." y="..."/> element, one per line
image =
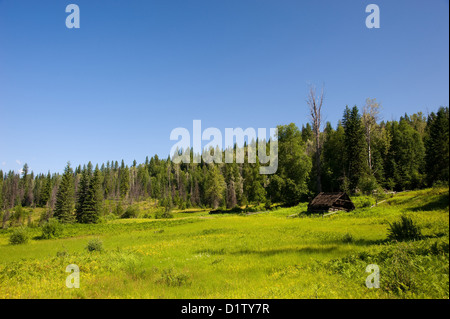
<point x="283" y="253"/>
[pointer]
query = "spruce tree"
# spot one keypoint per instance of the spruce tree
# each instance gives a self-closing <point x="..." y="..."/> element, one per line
<point x="83" y="189"/>
<point x="46" y="191"/>
<point x="91" y="206"/>
<point x="65" y="197"/>
<point x="124" y="183"/>
<point x="356" y="165"/>
<point x="437" y="146"/>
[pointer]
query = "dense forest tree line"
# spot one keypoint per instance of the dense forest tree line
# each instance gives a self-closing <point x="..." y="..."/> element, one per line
<point x="361" y="154"/>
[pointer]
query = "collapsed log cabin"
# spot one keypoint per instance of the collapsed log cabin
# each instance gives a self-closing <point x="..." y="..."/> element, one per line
<point x="328" y="202"/>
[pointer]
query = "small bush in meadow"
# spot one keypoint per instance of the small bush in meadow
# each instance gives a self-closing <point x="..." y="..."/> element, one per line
<point x="19" y="236"/>
<point x="348" y="238"/>
<point x="94" y="245"/>
<point x="51" y="229"/>
<point x="130" y="212"/>
<point x="163" y="214"/>
<point x="62" y="253"/>
<point x="403" y="230"/>
<point x="173" y="279"/>
<point x="118" y="210"/>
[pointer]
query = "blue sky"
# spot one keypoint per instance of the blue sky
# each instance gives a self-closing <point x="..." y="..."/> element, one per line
<point x="115" y="88"/>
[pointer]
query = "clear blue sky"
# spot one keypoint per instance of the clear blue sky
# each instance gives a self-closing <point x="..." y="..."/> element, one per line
<point x="115" y="88"/>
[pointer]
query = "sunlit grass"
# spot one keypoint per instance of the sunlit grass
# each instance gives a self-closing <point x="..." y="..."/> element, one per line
<point x="266" y="255"/>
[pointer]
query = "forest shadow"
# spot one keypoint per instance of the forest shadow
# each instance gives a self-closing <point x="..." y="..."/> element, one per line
<point x="442" y="202"/>
<point x="271" y="252"/>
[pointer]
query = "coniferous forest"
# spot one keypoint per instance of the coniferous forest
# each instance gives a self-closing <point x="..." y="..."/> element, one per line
<point x="361" y="154"/>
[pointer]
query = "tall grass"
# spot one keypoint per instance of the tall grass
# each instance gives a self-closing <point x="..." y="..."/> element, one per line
<point x="267" y="255"/>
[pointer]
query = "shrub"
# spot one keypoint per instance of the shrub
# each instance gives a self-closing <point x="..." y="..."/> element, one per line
<point x="62" y="253"/>
<point x="173" y="279"/>
<point x="19" y="236"/>
<point x="348" y="238"/>
<point x="405" y="229"/>
<point x="119" y="209"/>
<point x="163" y="214"/>
<point x="19" y="216"/>
<point x="130" y="212"/>
<point x="399" y="273"/>
<point x="51" y="229"/>
<point x="368" y="184"/>
<point x="95" y="245"/>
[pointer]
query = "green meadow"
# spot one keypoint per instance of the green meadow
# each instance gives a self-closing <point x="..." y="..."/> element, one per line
<point x="281" y="253"/>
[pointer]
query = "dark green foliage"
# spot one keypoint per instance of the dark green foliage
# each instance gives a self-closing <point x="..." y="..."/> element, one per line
<point x="291" y="193"/>
<point x="162" y="214"/>
<point x="119" y="209"/>
<point x="407" y="154"/>
<point x="19" y="236"/>
<point x="124" y="180"/>
<point x="46" y="191"/>
<point x="19" y="216"/>
<point x="94" y="245"/>
<point x="65" y="198"/>
<point x="348" y="238"/>
<point x="83" y="188"/>
<point x="405" y="159"/>
<point x="437" y="146"/>
<point x="333" y="162"/>
<point x="268" y="204"/>
<point x="130" y="212"/>
<point x="51" y="229"/>
<point x="90" y="207"/>
<point x="355" y="148"/>
<point x="404" y="230"/>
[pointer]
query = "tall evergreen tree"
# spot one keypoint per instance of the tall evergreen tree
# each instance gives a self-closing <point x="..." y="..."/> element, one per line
<point x="215" y="186"/>
<point x="91" y="206"/>
<point x="356" y="165"/>
<point x="124" y="180"/>
<point x="46" y="191"/>
<point x="437" y="146"/>
<point x="82" y="194"/>
<point x="65" y="197"/>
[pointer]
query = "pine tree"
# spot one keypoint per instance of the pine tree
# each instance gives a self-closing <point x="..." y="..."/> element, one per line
<point x="437" y="146"/>
<point x="46" y="191"/>
<point x="333" y="158"/>
<point x="293" y="162"/>
<point x="406" y="156"/>
<point x="124" y="183"/>
<point x="215" y="186"/>
<point x="83" y="189"/>
<point x="91" y="206"/>
<point x="65" y="197"/>
<point x="356" y="165"/>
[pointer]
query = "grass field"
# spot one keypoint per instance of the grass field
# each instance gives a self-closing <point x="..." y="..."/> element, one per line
<point x="266" y="255"/>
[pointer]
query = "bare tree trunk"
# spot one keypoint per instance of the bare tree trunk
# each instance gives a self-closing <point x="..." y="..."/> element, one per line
<point x="315" y="109"/>
<point x="370" y="117"/>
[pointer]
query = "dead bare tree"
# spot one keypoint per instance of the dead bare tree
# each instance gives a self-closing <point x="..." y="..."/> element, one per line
<point x="315" y="110"/>
<point x="370" y="118"/>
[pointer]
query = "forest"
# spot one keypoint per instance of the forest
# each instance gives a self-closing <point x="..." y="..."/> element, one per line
<point x="361" y="154"/>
